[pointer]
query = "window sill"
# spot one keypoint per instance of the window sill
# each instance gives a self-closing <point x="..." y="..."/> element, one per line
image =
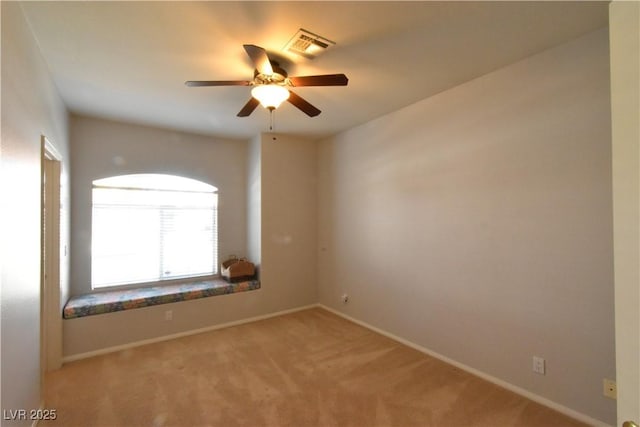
<point x="112" y="301"/>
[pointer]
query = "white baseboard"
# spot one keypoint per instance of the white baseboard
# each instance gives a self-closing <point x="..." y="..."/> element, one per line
<point x="107" y="350"/>
<point x="518" y="390"/>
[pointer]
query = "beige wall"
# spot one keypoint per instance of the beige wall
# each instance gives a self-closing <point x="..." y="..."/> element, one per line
<point x="102" y="148"/>
<point x="288" y="215"/>
<point x="254" y="201"/>
<point x="31" y="108"/>
<point x="477" y="224"/>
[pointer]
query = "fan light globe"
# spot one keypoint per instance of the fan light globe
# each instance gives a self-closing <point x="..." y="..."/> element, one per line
<point x="270" y="96"/>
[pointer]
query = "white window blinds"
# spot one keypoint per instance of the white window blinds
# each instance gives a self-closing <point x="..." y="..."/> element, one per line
<point x="147" y="229"/>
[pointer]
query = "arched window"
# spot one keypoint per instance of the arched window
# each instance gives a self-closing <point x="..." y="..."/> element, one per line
<point x="150" y="227"/>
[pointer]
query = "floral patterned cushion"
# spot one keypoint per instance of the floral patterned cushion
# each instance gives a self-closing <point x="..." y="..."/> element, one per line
<point x="108" y="302"/>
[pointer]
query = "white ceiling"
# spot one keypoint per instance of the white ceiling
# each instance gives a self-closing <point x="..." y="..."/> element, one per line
<point x="129" y="60"/>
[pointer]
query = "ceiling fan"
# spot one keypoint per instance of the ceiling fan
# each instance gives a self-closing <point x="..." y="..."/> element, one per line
<point x="270" y="84"/>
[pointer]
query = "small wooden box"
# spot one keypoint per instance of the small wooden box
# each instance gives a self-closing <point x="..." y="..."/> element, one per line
<point x="237" y="269"/>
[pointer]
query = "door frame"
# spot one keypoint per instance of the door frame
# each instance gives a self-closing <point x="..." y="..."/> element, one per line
<point x="50" y="317"/>
<point x="624" y="36"/>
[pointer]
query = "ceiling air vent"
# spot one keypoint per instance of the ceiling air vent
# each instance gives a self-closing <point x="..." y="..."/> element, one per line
<point x="307" y="44"/>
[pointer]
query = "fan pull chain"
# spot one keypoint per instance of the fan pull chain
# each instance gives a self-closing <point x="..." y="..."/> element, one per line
<point x="271" y="119"/>
<point x="271" y="122"/>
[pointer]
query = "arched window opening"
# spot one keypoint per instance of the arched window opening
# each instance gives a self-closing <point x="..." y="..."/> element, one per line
<point x="152" y="227"/>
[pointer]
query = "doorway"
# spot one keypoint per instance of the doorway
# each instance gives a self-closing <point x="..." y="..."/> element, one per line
<point x="50" y="318"/>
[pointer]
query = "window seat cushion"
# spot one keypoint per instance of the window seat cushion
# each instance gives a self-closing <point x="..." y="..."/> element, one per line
<point x="108" y="302"/>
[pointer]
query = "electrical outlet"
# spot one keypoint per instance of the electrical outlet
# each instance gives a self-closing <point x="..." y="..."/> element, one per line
<point x="610" y="389"/>
<point x="168" y="315"/>
<point x="539" y="365"/>
<point x="345" y="298"/>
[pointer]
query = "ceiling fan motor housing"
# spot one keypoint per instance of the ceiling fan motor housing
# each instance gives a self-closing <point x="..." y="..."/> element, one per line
<point x="279" y="75"/>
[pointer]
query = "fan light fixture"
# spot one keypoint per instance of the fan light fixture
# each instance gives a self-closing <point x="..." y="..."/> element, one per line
<point x="270" y="95"/>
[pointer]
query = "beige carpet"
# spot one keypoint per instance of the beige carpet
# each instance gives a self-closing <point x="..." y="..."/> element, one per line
<point x="310" y="368"/>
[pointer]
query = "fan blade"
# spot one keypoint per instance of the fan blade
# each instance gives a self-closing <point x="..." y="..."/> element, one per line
<point x="217" y="83"/>
<point x="324" y="80"/>
<point x="260" y="59"/>
<point x="249" y="107"/>
<point x="303" y="105"/>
